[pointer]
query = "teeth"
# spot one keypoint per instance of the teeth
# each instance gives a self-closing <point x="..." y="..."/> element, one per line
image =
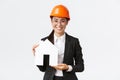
<point x="59" y="28"/>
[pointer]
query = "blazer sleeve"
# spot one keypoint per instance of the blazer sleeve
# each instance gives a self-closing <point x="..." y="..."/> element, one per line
<point x="78" y="57"/>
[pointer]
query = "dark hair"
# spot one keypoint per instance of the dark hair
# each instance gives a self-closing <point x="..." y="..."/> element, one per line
<point x="66" y="18"/>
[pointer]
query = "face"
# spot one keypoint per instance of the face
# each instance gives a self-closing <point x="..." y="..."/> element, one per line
<point x="59" y="25"/>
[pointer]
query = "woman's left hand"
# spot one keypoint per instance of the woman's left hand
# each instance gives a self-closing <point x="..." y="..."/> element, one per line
<point x="61" y="67"/>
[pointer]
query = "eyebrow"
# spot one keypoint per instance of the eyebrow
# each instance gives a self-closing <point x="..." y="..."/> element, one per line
<point x="61" y="18"/>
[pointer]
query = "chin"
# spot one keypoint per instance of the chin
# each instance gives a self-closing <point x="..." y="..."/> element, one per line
<point x="59" y="31"/>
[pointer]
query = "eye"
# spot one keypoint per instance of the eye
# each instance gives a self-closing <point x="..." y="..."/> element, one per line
<point x="55" y="20"/>
<point x="63" y="20"/>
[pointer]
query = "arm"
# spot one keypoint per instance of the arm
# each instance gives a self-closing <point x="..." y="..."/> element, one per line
<point x="79" y="63"/>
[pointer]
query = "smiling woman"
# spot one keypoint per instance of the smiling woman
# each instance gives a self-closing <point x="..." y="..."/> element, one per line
<point x="59" y="25"/>
<point x="70" y="58"/>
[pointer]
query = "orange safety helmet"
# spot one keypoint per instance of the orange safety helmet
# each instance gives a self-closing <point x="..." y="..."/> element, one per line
<point x="60" y="11"/>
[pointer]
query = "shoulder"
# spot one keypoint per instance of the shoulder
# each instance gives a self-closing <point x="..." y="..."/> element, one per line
<point x="72" y="38"/>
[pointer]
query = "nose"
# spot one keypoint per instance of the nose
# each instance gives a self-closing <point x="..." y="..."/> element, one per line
<point x="59" y="24"/>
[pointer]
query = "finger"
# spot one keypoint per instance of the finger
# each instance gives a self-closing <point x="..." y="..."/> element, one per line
<point x="61" y="64"/>
<point x="59" y="67"/>
<point x="33" y="48"/>
<point x="33" y="51"/>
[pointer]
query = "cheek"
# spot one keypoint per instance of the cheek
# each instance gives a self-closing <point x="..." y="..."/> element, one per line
<point x="53" y="24"/>
<point x="64" y="25"/>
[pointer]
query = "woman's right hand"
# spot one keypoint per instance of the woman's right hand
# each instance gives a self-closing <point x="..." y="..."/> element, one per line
<point x="61" y="67"/>
<point x="33" y="48"/>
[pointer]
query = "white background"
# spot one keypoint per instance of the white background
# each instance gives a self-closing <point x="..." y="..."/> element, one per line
<point x="95" y="22"/>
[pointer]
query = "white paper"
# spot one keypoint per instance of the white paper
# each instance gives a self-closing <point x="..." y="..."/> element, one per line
<point x="46" y="47"/>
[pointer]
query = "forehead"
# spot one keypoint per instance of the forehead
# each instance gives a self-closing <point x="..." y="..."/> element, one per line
<point x="59" y="18"/>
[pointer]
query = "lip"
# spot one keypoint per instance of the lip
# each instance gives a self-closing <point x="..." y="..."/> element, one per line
<point x="58" y="28"/>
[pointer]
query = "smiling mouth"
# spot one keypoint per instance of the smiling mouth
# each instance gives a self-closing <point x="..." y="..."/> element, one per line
<point x="58" y="28"/>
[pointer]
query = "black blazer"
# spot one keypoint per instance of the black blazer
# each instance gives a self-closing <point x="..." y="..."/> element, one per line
<point x="72" y="56"/>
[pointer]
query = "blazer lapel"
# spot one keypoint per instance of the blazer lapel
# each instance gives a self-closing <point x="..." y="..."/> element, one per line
<point x="66" y="47"/>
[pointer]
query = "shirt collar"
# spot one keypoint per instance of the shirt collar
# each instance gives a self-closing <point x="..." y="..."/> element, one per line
<point x="62" y="38"/>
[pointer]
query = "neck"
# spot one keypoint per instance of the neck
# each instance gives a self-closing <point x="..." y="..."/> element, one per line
<point x="58" y="35"/>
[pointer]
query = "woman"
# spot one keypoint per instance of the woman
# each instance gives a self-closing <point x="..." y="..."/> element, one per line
<point x="70" y="55"/>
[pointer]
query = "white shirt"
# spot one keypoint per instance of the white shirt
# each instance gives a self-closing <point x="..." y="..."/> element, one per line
<point x="59" y="42"/>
